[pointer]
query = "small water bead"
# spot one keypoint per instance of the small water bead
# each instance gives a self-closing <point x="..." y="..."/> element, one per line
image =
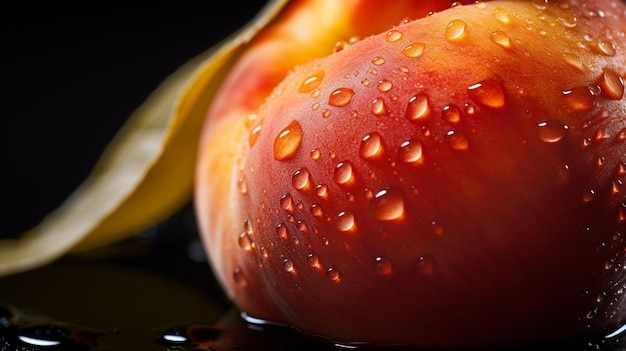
<point x="588" y="195"/>
<point x="288" y="141"/>
<point x="567" y="21"/>
<point x="455" y="31"/>
<point x="321" y="190"/>
<point x="242" y="185"/>
<point x="579" y="99"/>
<point x="601" y="134"/>
<point x="451" y="114"/>
<point x="612" y="84"/>
<point x="365" y="82"/>
<point x="621" y="169"/>
<point x="480" y="5"/>
<point x="501" y="38"/>
<point x="425" y="265"/>
<point x="315" y="106"/>
<point x="603" y="47"/>
<point x="282" y="231"/>
<point x="311" y="82"/>
<point x="343" y="173"/>
<point x="240" y="278"/>
<point x="245" y="242"/>
<point x="388" y="204"/>
<point x="340" y="97"/>
<point x="413" y="50"/>
<point x="345" y="221"/>
<point x="286" y="203"/>
<point x="326" y="113"/>
<point x="501" y="15"/>
<point x="621" y="136"/>
<point x="393" y="36"/>
<point x="574" y="61"/>
<point x="254" y="134"/>
<point x="469" y="109"/>
<point x="457" y="140"/>
<point x="316" y="211"/>
<point x="315" y="154"/>
<point x="411" y="152"/>
<point x="488" y="93"/>
<point x="436" y="227"/>
<point x="288" y="266"/>
<point x="316" y="93"/>
<point x="384" y="85"/>
<point x="340" y="45"/>
<point x="552" y="131"/>
<point x="371" y="146"/>
<point x="378" y="60"/>
<point x="383" y="266"/>
<point x="378" y="106"/>
<point x="314" y="261"/>
<point x="333" y="275"/>
<point x="302" y="226"/>
<point x="418" y="107"/>
<point x="616" y="187"/>
<point x="301" y="179"/>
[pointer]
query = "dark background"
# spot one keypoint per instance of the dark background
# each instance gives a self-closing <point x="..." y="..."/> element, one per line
<point x="71" y="75"/>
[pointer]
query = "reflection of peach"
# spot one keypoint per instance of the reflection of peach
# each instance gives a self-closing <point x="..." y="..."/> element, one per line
<point x="454" y="180"/>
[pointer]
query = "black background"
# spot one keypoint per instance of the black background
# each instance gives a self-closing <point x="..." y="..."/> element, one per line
<point x="71" y="75"/>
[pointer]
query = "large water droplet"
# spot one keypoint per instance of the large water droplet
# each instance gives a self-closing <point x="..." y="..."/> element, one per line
<point x="378" y="106"/>
<point x="345" y="221"/>
<point x="288" y="141"/>
<point x="417" y="107"/>
<point x="457" y="139"/>
<point x="455" y="31"/>
<point x="603" y="47"/>
<point x="552" y="131"/>
<point x="501" y="15"/>
<point x="501" y="38"/>
<point x="321" y="190"/>
<point x="612" y="84"/>
<point x="371" y="146"/>
<point x="311" y="82"/>
<point x="343" y="173"/>
<point x="410" y="151"/>
<point x="579" y="99"/>
<point x="301" y="179"/>
<point x="340" y="97"/>
<point x="413" y="50"/>
<point x="245" y="242"/>
<point x="393" y="35"/>
<point x="288" y="266"/>
<point x="333" y="275"/>
<point x="574" y="61"/>
<point x="384" y="85"/>
<point x="488" y="92"/>
<point x="383" y="265"/>
<point x="451" y="113"/>
<point x="388" y="204"/>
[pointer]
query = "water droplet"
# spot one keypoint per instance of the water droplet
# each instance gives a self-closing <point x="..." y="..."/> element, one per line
<point x="552" y="131"/>
<point x="311" y="82"/>
<point x="340" y="97"/>
<point x="388" y="204"/>
<point x="574" y="61"/>
<point x="457" y="140"/>
<point x="333" y="275"/>
<point x="321" y="191"/>
<point x="603" y="47"/>
<point x="254" y="134"/>
<point x="371" y="146"/>
<point x="340" y="45"/>
<point x="621" y="136"/>
<point x="588" y="195"/>
<point x="245" y="242"/>
<point x="612" y="84"/>
<point x="488" y="92"/>
<point x="282" y="231"/>
<point x="501" y="38"/>
<point x="417" y="107"/>
<point x="425" y="265"/>
<point x="616" y="187"/>
<point x="413" y="50"/>
<point x="315" y="154"/>
<point x="301" y="179"/>
<point x="343" y="173"/>
<point x="345" y="221"/>
<point x="365" y="82"/>
<point x="501" y="15"/>
<point x="480" y="5"/>
<point x="302" y="226"/>
<point x="601" y="134"/>
<point x="383" y="266"/>
<point x="621" y="168"/>
<point x="286" y="203"/>
<point x="288" y="266"/>
<point x="455" y="31"/>
<point x="384" y="85"/>
<point x="242" y="185"/>
<point x="410" y="152"/>
<point x="579" y="99"/>
<point x="247" y="227"/>
<point x="436" y="228"/>
<point x="288" y="141"/>
<point x="451" y="114"/>
<point x="314" y="261"/>
<point x="393" y="35"/>
<point x="240" y="278"/>
<point x="567" y="21"/>
<point x="378" y="60"/>
<point x="316" y="211"/>
<point x="378" y="106"/>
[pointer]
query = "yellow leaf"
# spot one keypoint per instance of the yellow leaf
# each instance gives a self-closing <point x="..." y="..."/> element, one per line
<point x="146" y="173"/>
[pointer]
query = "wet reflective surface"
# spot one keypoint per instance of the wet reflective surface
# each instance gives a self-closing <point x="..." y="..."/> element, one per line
<point x="153" y="292"/>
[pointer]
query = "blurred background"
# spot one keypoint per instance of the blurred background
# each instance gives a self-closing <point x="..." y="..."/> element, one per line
<point x="72" y="74"/>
